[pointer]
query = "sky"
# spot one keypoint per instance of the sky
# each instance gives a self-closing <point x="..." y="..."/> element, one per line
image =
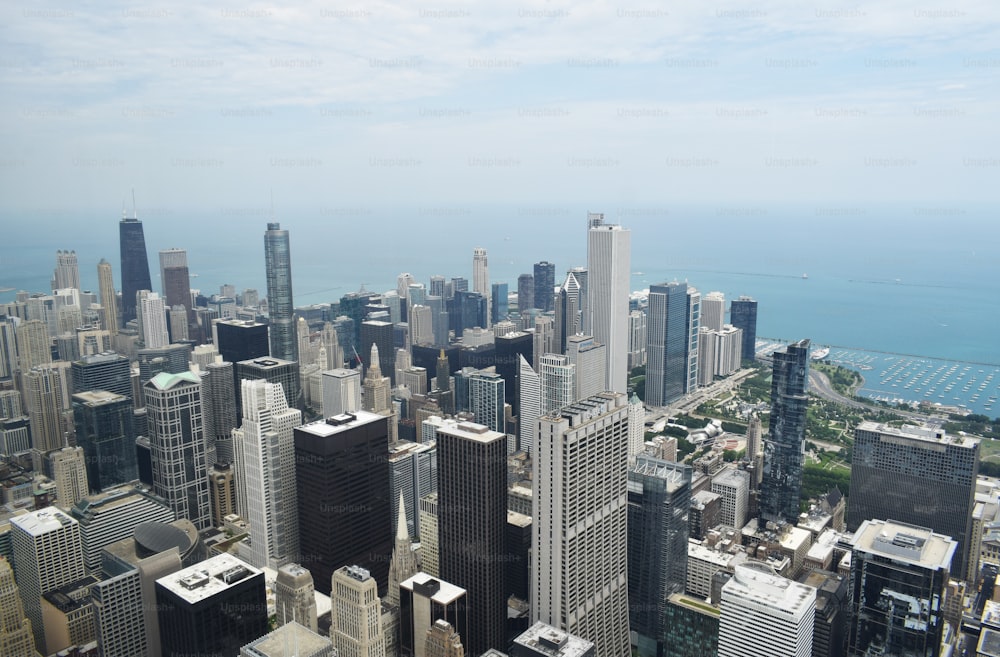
<point x="327" y="107"/>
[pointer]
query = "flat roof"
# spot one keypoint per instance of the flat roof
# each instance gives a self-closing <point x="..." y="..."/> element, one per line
<point x="923" y="433"/>
<point x="97" y="397"/>
<point x="289" y="640"/>
<point x="472" y="431"/>
<point x="340" y="423"/>
<point x="43" y="521"/>
<point x="758" y="581"/>
<point x="446" y="594"/>
<point x="518" y="519"/>
<point x="549" y="640"/>
<point x="208" y="578"/>
<point x="908" y="543"/>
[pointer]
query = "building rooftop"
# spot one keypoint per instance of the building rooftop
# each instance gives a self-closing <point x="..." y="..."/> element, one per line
<point x="446" y="592"/>
<point x="340" y="423"/>
<point x="289" y="640"/>
<point x="166" y="380"/>
<point x="97" y="397"/>
<point x="925" y="434"/>
<point x="518" y="519"/>
<point x="758" y="581"/>
<point x="266" y="362"/>
<point x="43" y="521"/>
<point x="547" y="640"/>
<point x="694" y="603"/>
<point x="908" y="543"/>
<point x="989" y="643"/>
<point x="472" y="431"/>
<point x="208" y="578"/>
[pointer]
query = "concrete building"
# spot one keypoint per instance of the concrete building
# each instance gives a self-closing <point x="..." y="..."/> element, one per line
<point x="16" y="638"/>
<point x="222" y="488"/>
<point x="668" y="334"/>
<point x="544" y="640"/>
<point x="713" y="311"/>
<point x="290" y="640"/>
<point x="69" y="471"/>
<point x="356" y="613"/>
<point x="733" y="487"/>
<point x="430" y="558"/>
<point x="609" y="276"/>
<point x="295" y="599"/>
<point x="589" y="360"/>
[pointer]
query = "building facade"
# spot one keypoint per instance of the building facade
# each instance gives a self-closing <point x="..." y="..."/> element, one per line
<point x="280" y="309"/>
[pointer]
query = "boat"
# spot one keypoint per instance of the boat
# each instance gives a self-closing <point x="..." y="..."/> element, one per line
<point x="805" y="275"/>
<point x="820" y="354"/>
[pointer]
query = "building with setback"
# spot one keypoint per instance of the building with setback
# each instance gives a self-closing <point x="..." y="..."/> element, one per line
<point x="424" y="600"/>
<point x="918" y="475"/>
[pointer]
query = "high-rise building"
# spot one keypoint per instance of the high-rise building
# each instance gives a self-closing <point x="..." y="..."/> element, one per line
<point x="545" y="285"/>
<point x="404" y="561"/>
<point x="223" y="491"/>
<point x="211" y="608"/>
<point x="67" y="273"/>
<point x="423" y="602"/>
<point x="69" y="471"/>
<point x="743" y="315"/>
<point x="693" y="324"/>
<point x="173" y="359"/>
<point x="376" y="388"/>
<point x="272" y="370"/>
<point x="579" y="563"/>
<point x="152" y="315"/>
<point x="472" y="517"/>
<point x="692" y="627"/>
<point x="290" y="640"/>
<point x="218" y="410"/>
<point x="899" y="577"/>
<point x="530" y="384"/>
<point x="172" y="257"/>
<point x="659" y="497"/>
<point x="34" y="344"/>
<point x="180" y="468"/>
<point x="356" y="613"/>
<point x="47" y="555"/>
<point x="733" y="487"/>
<point x="341" y="391"/>
<point x="713" y="310"/>
<point x="443" y="641"/>
<point x="499" y="308"/>
<point x="278" y="264"/>
<point x="638" y="339"/>
<point x="765" y="614"/>
<point x="16" y="638"/>
<point x="609" y="275"/>
<point x="544" y="640"/>
<point x="44" y="391"/>
<point x="265" y="474"/>
<point x="480" y="273"/>
<point x="175" y="279"/>
<point x="109" y="299"/>
<point x="238" y="340"/>
<point x="295" y="597"/>
<point x="557" y="377"/>
<point x="525" y="292"/>
<point x="342" y="479"/>
<point x="667" y="331"/>
<point x="567" y="308"/>
<point x="486" y="399"/>
<point x="917" y="475"/>
<point x="590" y="359"/>
<point x="783" y="448"/>
<point x="134" y="265"/>
<point x="430" y="558"/>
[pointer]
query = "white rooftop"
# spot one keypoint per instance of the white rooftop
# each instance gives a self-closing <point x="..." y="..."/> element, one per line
<point x="340" y="423"/>
<point x="908" y="543"/>
<point x="922" y="433"/>
<point x="446" y="594"/>
<point x="208" y="578"/>
<point x="757" y="581"/>
<point x="43" y="521"/>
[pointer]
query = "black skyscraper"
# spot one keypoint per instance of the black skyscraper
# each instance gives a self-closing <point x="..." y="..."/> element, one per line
<point x="743" y="315"/>
<point x="104" y="430"/>
<point x="108" y="371"/>
<point x="278" y="266"/>
<point x="545" y="284"/>
<point x="507" y="349"/>
<point x="134" y="265"/>
<point x="782" y="482"/>
<point x="241" y="340"/>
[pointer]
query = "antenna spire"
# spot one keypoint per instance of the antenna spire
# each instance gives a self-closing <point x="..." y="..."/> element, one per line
<point x="135" y="215"/>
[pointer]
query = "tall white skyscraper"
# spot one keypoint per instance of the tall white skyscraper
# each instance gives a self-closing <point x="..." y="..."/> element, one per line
<point x="590" y="359"/>
<point x="481" y="276"/>
<point x="713" y="310"/>
<point x="265" y="474"/>
<point x="67" y="271"/>
<point x="558" y="383"/>
<point x="579" y="562"/>
<point x="608" y="278"/>
<point x="341" y="391"/>
<point x="152" y="316"/>
<point x="763" y="613"/>
<point x="531" y="401"/>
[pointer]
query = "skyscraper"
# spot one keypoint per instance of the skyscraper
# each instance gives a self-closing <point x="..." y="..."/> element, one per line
<point x="341" y="391"/>
<point x="579" y="562"/>
<point x="171" y="258"/>
<point x="16" y="639"/>
<point x="498" y="302"/>
<point x="109" y="299"/>
<point x="567" y="311"/>
<point x="743" y="315"/>
<point x="69" y="471"/>
<point x="609" y="275"/>
<point x="180" y="468"/>
<point x="295" y="596"/>
<point x="590" y="360"/>
<point x="356" y="613"/>
<point x="765" y="614"/>
<point x="67" y="272"/>
<point x="238" y="339"/>
<point x="480" y="273"/>
<point x="693" y="324"/>
<point x="917" y="475"/>
<point x="134" y="265"/>
<point x="659" y="496"/>
<point x="33" y="344"/>
<point x="43" y="395"/>
<point x="472" y="517"/>
<point x="278" y="263"/>
<point x="152" y="316"/>
<point x="486" y="399"/>
<point x="545" y="285"/>
<point x="667" y="332"/>
<point x="218" y="410"/>
<point x="342" y="480"/>
<point x="377" y="388"/>
<point x="899" y="577"/>
<point x="558" y="383"/>
<point x="531" y="405"/>
<point x="265" y="474"/>
<point x="783" y="451"/>
<point x="525" y="292"/>
<point x="404" y="561"/>
<point x="713" y="310"/>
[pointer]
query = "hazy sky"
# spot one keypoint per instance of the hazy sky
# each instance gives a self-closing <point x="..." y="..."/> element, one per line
<point x="332" y="104"/>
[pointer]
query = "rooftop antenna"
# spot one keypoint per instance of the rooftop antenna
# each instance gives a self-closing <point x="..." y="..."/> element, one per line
<point x="272" y="204"/>
<point x="134" y="214"/>
<point x="124" y="216"/>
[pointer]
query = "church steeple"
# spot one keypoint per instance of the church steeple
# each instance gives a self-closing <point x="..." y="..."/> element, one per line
<point x="404" y="561"/>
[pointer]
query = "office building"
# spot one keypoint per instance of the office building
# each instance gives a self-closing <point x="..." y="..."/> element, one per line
<point x="109" y="299"/>
<point x="763" y="613"/>
<point x="917" y="475"/>
<point x="486" y="399"/>
<point x="67" y="272"/>
<point x="472" y="516"/>
<point x="356" y="613"/>
<point x="69" y="470"/>
<point x="104" y="430"/>
<point x="113" y="515"/>
<point x="404" y="560"/>
<point x="265" y="475"/>
<point x="425" y="600"/>
<point x="638" y="339"/>
<point x="330" y="340"/>
<point x="341" y="391"/>
<point x="44" y="396"/>
<point x="743" y="315"/>
<point x="176" y="436"/>
<point x="580" y="578"/>
<point x="295" y="597"/>
<point x="713" y="310"/>
<point x="590" y="360"/>
<point x="507" y="350"/>
<point x="544" y="640"/>
<point x="172" y="359"/>
<point x="693" y="324"/>
<point x="567" y="311"/>
<point x="238" y="340"/>
<point x="783" y="448"/>
<point x="531" y="405"/>
<point x="219" y="417"/>
<point x="34" y="344"/>
<point x="291" y="640"/>
<point x="691" y="627"/>
<point x="223" y="491"/>
<point x="666" y="354"/>
<point x="376" y="390"/>
<point x="134" y="265"/>
<point x="443" y="641"/>
<point x="609" y="275"/>
<point x="899" y="574"/>
<point x="211" y="608"/>
<point x="104" y="371"/>
<point x="526" y="292"/>
<point x="342" y="479"/>
<point x="481" y="278"/>
<point x="430" y="554"/>
<point x="545" y="285"/>
<point x="172" y="257"/>
<point x="278" y="266"/>
<point x="272" y="370"/>
<point x="733" y="488"/>
<point x="47" y="554"/>
<point x="659" y="499"/>
<point x="16" y="638"/>
<point x="557" y="377"/>
<point x="499" y="309"/>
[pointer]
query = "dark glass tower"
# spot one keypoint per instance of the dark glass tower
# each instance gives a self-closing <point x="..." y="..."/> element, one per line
<point x="239" y="340"/>
<point x="782" y="482"/>
<point x="108" y="371"/>
<point x="134" y="265"/>
<point x="667" y="331"/>
<point x="498" y="302"/>
<point x="104" y="430"/>
<point x="545" y="283"/>
<point x="659" y="496"/>
<point x="743" y="315"/>
<point x="278" y="263"/>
